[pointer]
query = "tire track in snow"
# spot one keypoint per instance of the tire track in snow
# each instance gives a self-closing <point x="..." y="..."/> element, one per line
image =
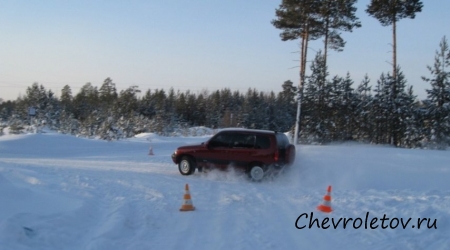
<point x="125" y="166"/>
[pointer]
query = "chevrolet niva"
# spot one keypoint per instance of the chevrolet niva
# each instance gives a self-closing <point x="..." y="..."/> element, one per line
<point x="256" y="152"/>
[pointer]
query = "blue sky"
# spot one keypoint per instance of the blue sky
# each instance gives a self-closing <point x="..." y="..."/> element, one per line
<point x="192" y="45"/>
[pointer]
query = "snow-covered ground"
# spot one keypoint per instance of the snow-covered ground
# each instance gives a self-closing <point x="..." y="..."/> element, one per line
<point x="62" y="192"/>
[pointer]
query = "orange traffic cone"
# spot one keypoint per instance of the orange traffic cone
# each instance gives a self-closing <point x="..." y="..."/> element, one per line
<point x="187" y="204"/>
<point x="150" y="152"/>
<point x="326" y="206"/>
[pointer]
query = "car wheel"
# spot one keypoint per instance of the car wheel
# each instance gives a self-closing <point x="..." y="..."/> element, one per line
<point x="186" y="166"/>
<point x="256" y="173"/>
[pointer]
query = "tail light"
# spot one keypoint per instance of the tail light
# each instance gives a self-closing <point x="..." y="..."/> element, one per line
<point x="276" y="155"/>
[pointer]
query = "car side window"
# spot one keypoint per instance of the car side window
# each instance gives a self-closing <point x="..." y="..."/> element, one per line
<point x="243" y="141"/>
<point x="262" y="142"/>
<point x="220" y="141"/>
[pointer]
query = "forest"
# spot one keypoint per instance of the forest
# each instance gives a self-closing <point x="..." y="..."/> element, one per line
<point x="338" y="110"/>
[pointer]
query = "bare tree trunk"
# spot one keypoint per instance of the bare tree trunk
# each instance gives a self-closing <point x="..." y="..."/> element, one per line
<point x="299" y="91"/>
<point x="394" y="123"/>
<point x="394" y="49"/>
<point x="303" y="55"/>
<point x="327" y="25"/>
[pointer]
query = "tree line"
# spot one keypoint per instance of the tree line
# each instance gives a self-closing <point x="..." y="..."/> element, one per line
<point x="108" y="114"/>
<point x="333" y="110"/>
<point x="336" y="110"/>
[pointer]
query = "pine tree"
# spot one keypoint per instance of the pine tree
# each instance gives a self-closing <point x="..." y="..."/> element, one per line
<point x="299" y="19"/>
<point x="34" y="95"/>
<point x="147" y="105"/>
<point x="21" y="110"/>
<point x="267" y="110"/>
<point x="286" y="105"/>
<point x="126" y="109"/>
<point x="181" y="109"/>
<point x="236" y="108"/>
<point x="106" y="118"/>
<point x="199" y="105"/>
<point x="52" y="111"/>
<point x="127" y="103"/>
<point x="213" y="107"/>
<point x="68" y="125"/>
<point x="38" y="98"/>
<point x="85" y="102"/>
<point x="412" y="135"/>
<point x="346" y="110"/>
<point x="107" y="94"/>
<point x="337" y="15"/>
<point x="403" y="114"/>
<point x="16" y="125"/>
<point x="381" y="107"/>
<point x="362" y="112"/>
<point x="66" y="98"/>
<point x="334" y="122"/>
<point x="251" y="114"/>
<point x="160" y="119"/>
<point x="438" y="97"/>
<point x="171" y="116"/>
<point x="316" y="98"/>
<point x="389" y="12"/>
<point x="6" y="110"/>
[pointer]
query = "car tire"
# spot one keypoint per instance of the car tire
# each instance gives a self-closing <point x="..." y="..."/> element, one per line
<point x="256" y="173"/>
<point x="186" y="166"/>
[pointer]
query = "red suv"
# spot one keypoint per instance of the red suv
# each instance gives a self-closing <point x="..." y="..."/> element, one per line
<point x="257" y="152"/>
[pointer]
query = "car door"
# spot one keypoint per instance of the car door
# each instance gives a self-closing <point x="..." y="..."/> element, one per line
<point x="249" y="147"/>
<point x="216" y="152"/>
<point x="241" y="149"/>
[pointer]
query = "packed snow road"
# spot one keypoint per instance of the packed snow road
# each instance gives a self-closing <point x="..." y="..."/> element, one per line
<point x="63" y="192"/>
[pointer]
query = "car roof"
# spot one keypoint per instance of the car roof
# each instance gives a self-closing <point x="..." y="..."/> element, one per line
<point x="261" y="131"/>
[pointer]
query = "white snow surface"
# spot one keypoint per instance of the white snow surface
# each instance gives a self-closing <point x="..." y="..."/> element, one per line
<point x="63" y="192"/>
